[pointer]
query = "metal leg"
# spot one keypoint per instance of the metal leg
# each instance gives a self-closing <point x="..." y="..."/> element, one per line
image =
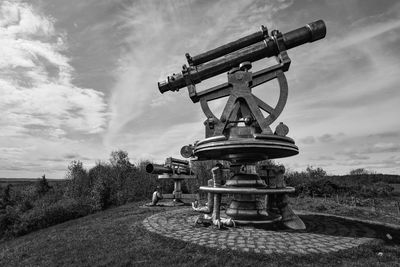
<point x="217" y="177"/>
<point x="289" y="218"/>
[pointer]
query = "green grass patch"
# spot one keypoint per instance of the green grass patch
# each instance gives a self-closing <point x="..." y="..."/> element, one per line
<point x="116" y="237"/>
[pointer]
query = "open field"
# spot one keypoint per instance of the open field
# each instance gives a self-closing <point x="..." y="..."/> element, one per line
<point x="117" y="237"/>
<point x="27" y="181"/>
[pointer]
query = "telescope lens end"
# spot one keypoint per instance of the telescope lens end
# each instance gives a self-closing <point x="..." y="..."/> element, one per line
<point x="317" y="30"/>
<point x="149" y="168"/>
<point x="163" y="86"/>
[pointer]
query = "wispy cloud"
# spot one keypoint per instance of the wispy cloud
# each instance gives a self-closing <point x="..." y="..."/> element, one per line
<point x="161" y="33"/>
<point x="39" y="99"/>
<point x="33" y="95"/>
<point x="333" y="83"/>
<point x="79" y="80"/>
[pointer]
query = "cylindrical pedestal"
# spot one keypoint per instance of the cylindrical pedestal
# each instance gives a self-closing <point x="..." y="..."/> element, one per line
<point x="246" y="209"/>
<point x="177" y="189"/>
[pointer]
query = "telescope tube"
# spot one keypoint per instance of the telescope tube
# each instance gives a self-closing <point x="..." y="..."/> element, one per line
<point x="157" y="169"/>
<point x="160" y="169"/>
<point x="230" y="47"/>
<point x="311" y="32"/>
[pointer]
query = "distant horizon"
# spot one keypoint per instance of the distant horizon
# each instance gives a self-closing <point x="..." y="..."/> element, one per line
<point x="52" y="178"/>
<point x="79" y="80"/>
<point x="22" y="178"/>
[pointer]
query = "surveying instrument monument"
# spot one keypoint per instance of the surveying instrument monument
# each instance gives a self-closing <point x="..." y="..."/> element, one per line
<point x="242" y="135"/>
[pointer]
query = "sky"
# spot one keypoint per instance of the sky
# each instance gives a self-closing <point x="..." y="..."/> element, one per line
<point x="78" y="79"/>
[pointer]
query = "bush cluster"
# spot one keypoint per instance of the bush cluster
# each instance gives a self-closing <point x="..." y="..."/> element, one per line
<point x="30" y="207"/>
<point x="359" y="183"/>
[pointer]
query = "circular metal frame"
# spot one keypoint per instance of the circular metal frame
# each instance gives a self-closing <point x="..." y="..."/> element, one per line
<point x="246" y="149"/>
<point x="273" y="112"/>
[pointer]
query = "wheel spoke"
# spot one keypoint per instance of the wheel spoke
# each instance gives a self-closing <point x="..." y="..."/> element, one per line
<point x="264" y="106"/>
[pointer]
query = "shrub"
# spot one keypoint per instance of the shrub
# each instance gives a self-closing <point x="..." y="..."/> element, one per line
<point x="100" y="195"/>
<point x="321" y="207"/>
<point x="379" y="189"/>
<point x="6" y="199"/>
<point x="41" y="217"/>
<point x="359" y="171"/>
<point x="9" y="217"/>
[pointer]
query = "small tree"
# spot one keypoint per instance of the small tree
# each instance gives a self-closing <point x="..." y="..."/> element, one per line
<point x="121" y="172"/>
<point x="103" y="186"/>
<point x="6" y="197"/>
<point x="79" y="183"/>
<point x="42" y="186"/>
<point x="120" y="159"/>
<point x="317" y="173"/>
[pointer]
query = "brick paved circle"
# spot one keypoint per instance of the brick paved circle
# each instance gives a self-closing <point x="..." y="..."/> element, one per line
<point x="323" y="235"/>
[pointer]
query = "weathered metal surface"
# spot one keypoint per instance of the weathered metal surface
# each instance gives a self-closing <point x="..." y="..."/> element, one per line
<point x="228" y="48"/>
<point x="176" y="176"/>
<point x="242" y="103"/>
<point x="171" y="166"/>
<point x="158" y="169"/>
<point x="247" y="191"/>
<point x="246" y="180"/>
<point x="246" y="149"/>
<point x="184" y="196"/>
<point x="174" y="169"/>
<point x="249" y="209"/>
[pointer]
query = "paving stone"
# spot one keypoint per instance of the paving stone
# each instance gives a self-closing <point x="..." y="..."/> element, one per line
<point x="330" y="235"/>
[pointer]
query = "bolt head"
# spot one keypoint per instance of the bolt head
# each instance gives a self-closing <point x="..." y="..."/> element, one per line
<point x="248" y="120"/>
<point x="239" y="75"/>
<point x="245" y="66"/>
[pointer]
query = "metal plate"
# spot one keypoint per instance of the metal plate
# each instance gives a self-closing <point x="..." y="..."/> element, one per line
<point x="246" y="149"/>
<point x="246" y="190"/>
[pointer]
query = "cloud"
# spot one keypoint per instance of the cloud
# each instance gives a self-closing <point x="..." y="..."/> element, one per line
<point x="334" y="83"/>
<point x="323" y="158"/>
<point x="352" y="84"/>
<point x="33" y="95"/>
<point x="71" y="155"/>
<point x="355" y="155"/>
<point x="383" y="147"/>
<point x="372" y="148"/>
<point x="67" y="90"/>
<point x="326" y="138"/>
<point x="307" y="140"/>
<point x="41" y="107"/>
<point x="160" y="32"/>
<point x="385" y="135"/>
<point x="387" y="165"/>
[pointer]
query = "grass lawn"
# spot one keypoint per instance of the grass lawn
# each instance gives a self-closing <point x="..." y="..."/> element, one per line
<point x="385" y="211"/>
<point x="116" y="237"/>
